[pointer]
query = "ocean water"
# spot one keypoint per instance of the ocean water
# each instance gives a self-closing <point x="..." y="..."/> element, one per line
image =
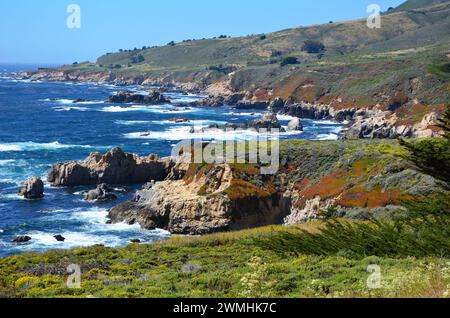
<point x="41" y="125"/>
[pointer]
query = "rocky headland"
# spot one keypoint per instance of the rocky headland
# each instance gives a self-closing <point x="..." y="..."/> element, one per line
<point x="114" y="167"/>
<point x="349" y="179"/>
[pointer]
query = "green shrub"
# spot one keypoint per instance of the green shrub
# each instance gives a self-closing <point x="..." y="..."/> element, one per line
<point x="313" y="46"/>
<point x="290" y="60"/>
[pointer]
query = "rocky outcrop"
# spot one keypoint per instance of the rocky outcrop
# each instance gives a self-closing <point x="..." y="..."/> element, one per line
<point x="268" y="121"/>
<point x="114" y="167"/>
<point x="384" y="124"/>
<point x="312" y="209"/>
<point x="59" y="238"/>
<point x="295" y="125"/>
<point x="211" y="101"/>
<point x="197" y="205"/>
<point x="257" y="105"/>
<point x="179" y="120"/>
<point x="22" y="239"/>
<point x="153" y="98"/>
<point x="32" y="189"/>
<point x="102" y="193"/>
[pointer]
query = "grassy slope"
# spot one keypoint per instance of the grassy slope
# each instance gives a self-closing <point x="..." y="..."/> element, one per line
<point x="415" y="4"/>
<point x="226" y="265"/>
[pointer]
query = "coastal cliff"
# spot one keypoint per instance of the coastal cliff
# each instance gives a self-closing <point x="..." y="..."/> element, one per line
<point x="350" y="179"/>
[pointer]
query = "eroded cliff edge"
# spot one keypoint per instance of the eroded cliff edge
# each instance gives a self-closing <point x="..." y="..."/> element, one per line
<point x="355" y="179"/>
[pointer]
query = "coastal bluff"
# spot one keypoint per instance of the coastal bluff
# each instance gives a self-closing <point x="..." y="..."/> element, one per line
<point x="353" y="179"/>
<point x="114" y="167"/>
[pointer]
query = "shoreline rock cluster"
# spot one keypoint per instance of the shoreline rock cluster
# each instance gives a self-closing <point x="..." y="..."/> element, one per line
<point x="198" y="199"/>
<point x="114" y="167"/>
<point x="153" y="98"/>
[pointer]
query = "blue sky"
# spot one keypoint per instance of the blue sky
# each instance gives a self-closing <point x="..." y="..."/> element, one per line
<point x="35" y="31"/>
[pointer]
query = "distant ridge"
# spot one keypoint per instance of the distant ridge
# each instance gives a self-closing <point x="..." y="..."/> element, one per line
<point x="417" y="4"/>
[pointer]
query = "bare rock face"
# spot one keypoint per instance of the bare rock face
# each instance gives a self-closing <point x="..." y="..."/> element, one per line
<point x="196" y="207"/>
<point x="32" y="189"/>
<point x="383" y="124"/>
<point x="153" y="98"/>
<point x="101" y="194"/>
<point x="252" y="105"/>
<point x="268" y="121"/>
<point x="114" y="167"/>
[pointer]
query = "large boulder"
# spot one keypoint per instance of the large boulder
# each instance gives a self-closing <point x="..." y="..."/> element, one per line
<point x="22" y="239"/>
<point x="114" y="167"/>
<point x="295" y="125"/>
<point x="101" y="194"/>
<point x="32" y="189"/>
<point x="152" y="98"/>
<point x="268" y="121"/>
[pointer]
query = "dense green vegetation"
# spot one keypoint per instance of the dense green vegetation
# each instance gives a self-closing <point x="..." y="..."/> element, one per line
<point x="221" y="265"/>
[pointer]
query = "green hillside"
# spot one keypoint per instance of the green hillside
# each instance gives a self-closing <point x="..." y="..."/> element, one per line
<point x="417" y="4"/>
<point x="345" y="64"/>
<point x="406" y="30"/>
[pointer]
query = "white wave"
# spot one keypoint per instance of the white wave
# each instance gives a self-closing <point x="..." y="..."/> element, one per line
<point x="93" y="231"/>
<point x="330" y="136"/>
<point x="70" y="108"/>
<point x="244" y="114"/>
<point x="7" y="162"/>
<point x="197" y="123"/>
<point x="65" y="101"/>
<point x="32" y="146"/>
<point x="183" y="133"/>
<point x="92" y="102"/>
<point x="325" y="122"/>
<point x="149" y="109"/>
<point x="134" y="122"/>
<point x="285" y="117"/>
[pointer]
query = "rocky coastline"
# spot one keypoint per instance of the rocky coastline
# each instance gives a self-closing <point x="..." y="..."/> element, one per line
<point x="356" y="179"/>
<point x="378" y="121"/>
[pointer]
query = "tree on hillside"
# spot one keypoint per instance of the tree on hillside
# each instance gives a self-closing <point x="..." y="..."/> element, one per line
<point x="136" y="59"/>
<point x="290" y="60"/>
<point x="313" y="46"/>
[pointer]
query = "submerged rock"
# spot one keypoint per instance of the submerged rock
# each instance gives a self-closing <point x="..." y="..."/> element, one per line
<point x="101" y="194"/>
<point x="32" y="189"/>
<point x="22" y="239"/>
<point x="180" y="119"/>
<point x="114" y="167"/>
<point x="59" y="238"/>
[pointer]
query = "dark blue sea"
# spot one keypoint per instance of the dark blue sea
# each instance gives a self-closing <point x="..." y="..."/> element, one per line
<point x="41" y="125"/>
